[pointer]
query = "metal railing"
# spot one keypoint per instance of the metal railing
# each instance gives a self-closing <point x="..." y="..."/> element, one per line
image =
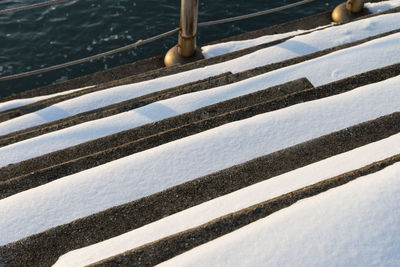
<point x="23" y="8"/>
<point x="187" y="31"/>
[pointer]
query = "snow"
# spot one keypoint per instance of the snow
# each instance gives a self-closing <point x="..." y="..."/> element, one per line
<point x="322" y="70"/>
<point x="153" y="170"/>
<point x="357" y="224"/>
<point x="4" y="106"/>
<point x="297" y="46"/>
<point x="210" y="51"/>
<point x="228" y="47"/>
<point x="233" y="202"/>
<point x="382" y="6"/>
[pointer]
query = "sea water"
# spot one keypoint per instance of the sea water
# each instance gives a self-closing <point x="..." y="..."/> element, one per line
<point x="52" y="35"/>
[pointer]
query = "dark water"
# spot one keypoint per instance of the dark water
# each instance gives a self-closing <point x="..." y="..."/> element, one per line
<point x="79" y="28"/>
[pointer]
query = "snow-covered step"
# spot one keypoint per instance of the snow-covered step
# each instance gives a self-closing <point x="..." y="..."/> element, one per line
<point x="364" y="104"/>
<point x="60" y="97"/>
<point x="161" y="167"/>
<point x="46" y="168"/>
<point x="114" y="109"/>
<point x="355" y="224"/>
<point x="71" y="160"/>
<point x="331" y="67"/>
<point x="235" y="201"/>
<point x="45" y="246"/>
<point x="297" y="46"/>
<point x="196" y="155"/>
<point x="16" y="103"/>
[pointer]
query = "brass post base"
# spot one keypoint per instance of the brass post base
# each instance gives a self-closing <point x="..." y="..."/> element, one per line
<point x="340" y="14"/>
<point x="173" y="58"/>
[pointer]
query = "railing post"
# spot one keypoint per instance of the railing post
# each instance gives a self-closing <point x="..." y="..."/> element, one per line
<point x="347" y="11"/>
<point x="186" y="50"/>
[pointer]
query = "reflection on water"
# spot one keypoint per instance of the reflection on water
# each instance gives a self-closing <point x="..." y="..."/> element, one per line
<point x="79" y="28"/>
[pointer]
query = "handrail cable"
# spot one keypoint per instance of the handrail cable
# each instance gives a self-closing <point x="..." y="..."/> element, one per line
<point x="22" y="8"/>
<point x="82" y="60"/>
<point x="148" y="40"/>
<point x="252" y="15"/>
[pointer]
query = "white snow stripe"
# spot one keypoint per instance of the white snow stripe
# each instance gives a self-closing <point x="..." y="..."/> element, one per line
<point x="297" y="46"/>
<point x="382" y="6"/>
<point x="26" y="101"/>
<point x="210" y="51"/>
<point x="357" y="224"/>
<point x="235" y="201"/>
<point x="153" y="170"/>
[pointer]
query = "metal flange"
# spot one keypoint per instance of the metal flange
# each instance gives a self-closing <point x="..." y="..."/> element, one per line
<point x="347" y="11"/>
<point x="173" y="57"/>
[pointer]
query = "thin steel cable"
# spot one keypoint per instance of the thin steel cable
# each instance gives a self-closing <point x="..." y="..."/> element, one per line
<point x="82" y="60"/>
<point x="22" y="8"/>
<point x="148" y="40"/>
<point x="252" y="15"/>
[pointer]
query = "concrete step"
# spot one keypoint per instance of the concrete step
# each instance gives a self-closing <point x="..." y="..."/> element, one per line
<point x="168" y="93"/>
<point x="45" y="248"/>
<point x="46" y="168"/>
<point x="31" y="173"/>
<point x="171" y="246"/>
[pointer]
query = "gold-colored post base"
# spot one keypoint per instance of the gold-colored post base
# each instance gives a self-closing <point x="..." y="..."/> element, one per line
<point x="340" y="14"/>
<point x="347" y="11"/>
<point x="174" y="58"/>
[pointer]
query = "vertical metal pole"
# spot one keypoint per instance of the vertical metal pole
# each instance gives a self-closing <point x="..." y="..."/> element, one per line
<point x="188" y="25"/>
<point x="185" y="51"/>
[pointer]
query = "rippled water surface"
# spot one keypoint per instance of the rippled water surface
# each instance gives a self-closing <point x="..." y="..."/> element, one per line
<point x="79" y="28"/>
